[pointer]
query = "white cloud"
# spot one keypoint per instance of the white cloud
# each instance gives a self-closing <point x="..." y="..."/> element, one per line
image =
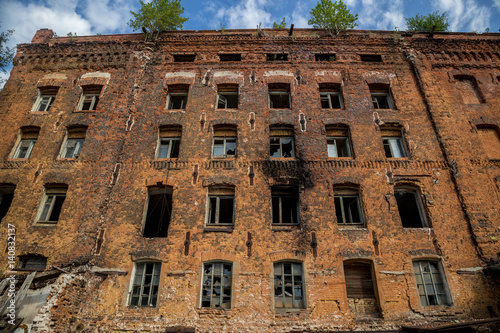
<point x="108" y="16"/>
<point x="300" y="16"/>
<point x="383" y="14"/>
<point x="465" y="15"/>
<point x="245" y="15"/>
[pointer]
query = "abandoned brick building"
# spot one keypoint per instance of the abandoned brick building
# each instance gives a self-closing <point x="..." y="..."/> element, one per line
<point x="252" y="181"/>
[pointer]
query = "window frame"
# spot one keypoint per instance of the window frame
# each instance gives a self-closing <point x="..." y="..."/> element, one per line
<point x="281" y="192"/>
<point x="348" y="193"/>
<point x="281" y="133"/>
<point x="390" y="148"/>
<point x="444" y="282"/>
<point x="328" y="95"/>
<point x="151" y="295"/>
<point x="279" y="89"/>
<point x="303" y="302"/>
<point x="177" y="90"/>
<point x="17" y="151"/>
<point x="224" y="146"/>
<point x="221" y="296"/>
<point x="47" y="92"/>
<point x="348" y="146"/>
<point x="214" y="192"/>
<point x="419" y="203"/>
<point x="36" y="267"/>
<point x="170" y="145"/>
<point x="46" y="209"/>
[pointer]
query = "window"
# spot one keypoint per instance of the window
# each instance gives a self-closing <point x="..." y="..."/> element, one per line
<point x="230" y="57"/>
<point x="158" y="212"/>
<point x="410" y="207"/>
<point x="32" y="262"/>
<point x="184" y="57"/>
<point x="29" y="135"/>
<point x="381" y="96"/>
<point x="6" y="196"/>
<point x="169" y="141"/>
<point x="279" y="95"/>
<point x="90" y="97"/>
<point x="285" y="205"/>
<point x="468" y="89"/>
<point x="490" y="140"/>
<point x="217" y="285"/>
<point x="360" y="288"/>
<point x="145" y="284"/>
<point x="431" y="284"/>
<point x="177" y="96"/>
<point x="337" y="141"/>
<point x="277" y="57"/>
<point x="281" y="141"/>
<point x="224" y="141"/>
<point x="227" y="96"/>
<point x="324" y="57"/>
<point x="51" y="205"/>
<point x="348" y="207"/>
<point x="46" y="97"/>
<point x="288" y="286"/>
<point x="331" y="96"/>
<point x="370" y="57"/>
<point x="74" y="141"/>
<point x="220" y="206"/>
<point x="393" y="142"/>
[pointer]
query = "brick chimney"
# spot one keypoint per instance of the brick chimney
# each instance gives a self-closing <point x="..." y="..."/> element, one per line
<point x="43" y="36"/>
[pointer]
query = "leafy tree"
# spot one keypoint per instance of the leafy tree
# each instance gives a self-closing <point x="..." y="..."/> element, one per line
<point x="332" y="16"/>
<point x="281" y="25"/>
<point x="6" y="53"/>
<point x="157" y="16"/>
<point x="425" y="23"/>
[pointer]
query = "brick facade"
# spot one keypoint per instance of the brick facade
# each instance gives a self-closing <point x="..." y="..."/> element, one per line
<point x="443" y="110"/>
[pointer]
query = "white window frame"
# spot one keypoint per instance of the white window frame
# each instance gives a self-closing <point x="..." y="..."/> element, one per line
<point x="39" y="102"/>
<point x="183" y="103"/>
<point x="335" y="138"/>
<point x="387" y="95"/>
<point x="76" y="152"/>
<point x="327" y="96"/>
<point x="93" y="103"/>
<point x="17" y="152"/>
<point x="221" y="98"/>
<point x="152" y="284"/>
<point x="281" y="146"/>
<point x="169" y="152"/>
<point x="224" y="146"/>
<point x="395" y="145"/>
<point x="52" y="193"/>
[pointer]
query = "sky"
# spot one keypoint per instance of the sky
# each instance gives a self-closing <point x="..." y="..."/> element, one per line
<point x="89" y="17"/>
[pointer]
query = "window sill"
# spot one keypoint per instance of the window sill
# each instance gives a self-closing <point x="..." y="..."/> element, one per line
<point x="334" y="109"/>
<point x="17" y="159"/>
<point x="167" y="159"/>
<point x="84" y="111"/>
<point x="39" y="112"/>
<point x="219" y="228"/>
<point x="289" y="108"/>
<point x="68" y="159"/>
<point x="175" y="110"/>
<point x="283" y="312"/>
<point x="385" y="109"/>
<point x="28" y="270"/>
<point x="226" y="109"/>
<point x="226" y="158"/>
<point x="45" y="224"/>
<point x="285" y="227"/>
<point x="344" y="227"/>
<point x="341" y="158"/>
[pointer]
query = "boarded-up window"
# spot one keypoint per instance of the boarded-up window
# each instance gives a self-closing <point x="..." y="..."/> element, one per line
<point x="467" y="87"/>
<point x="360" y="288"/>
<point x="490" y="141"/>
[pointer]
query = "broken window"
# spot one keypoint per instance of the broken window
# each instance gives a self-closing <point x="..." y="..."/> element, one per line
<point x="324" y="57"/>
<point x="381" y="96"/>
<point x="6" y="196"/>
<point x="230" y="57"/>
<point x="281" y="142"/>
<point x="289" y="286"/>
<point x="285" y="205"/>
<point x="431" y="283"/>
<point x="392" y="140"/>
<point x="46" y="97"/>
<point x="337" y="141"/>
<point x="410" y="207"/>
<point x="227" y="96"/>
<point x="90" y="97"/>
<point x="145" y="284"/>
<point x="468" y="89"/>
<point x="32" y="263"/>
<point x="169" y="141"/>
<point x="279" y="95"/>
<point x="224" y="141"/>
<point x="331" y="96"/>
<point x="370" y="57"/>
<point x="184" y="57"/>
<point x="490" y="139"/>
<point x="29" y="135"/>
<point x="74" y="142"/>
<point x="217" y="285"/>
<point x="177" y="96"/>
<point x="51" y="205"/>
<point x="220" y="205"/>
<point x="158" y="212"/>
<point x="360" y="288"/>
<point x="277" y="57"/>
<point x="348" y="207"/>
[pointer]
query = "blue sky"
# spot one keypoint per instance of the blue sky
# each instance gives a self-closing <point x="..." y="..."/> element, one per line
<point x="86" y="17"/>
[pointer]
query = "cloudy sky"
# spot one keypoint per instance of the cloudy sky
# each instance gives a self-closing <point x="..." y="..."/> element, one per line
<point x="86" y="17"/>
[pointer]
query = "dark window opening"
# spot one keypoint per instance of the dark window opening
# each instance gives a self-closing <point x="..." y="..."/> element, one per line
<point x="277" y="57"/>
<point x="279" y="96"/>
<point x="220" y="206"/>
<point x="217" y="283"/>
<point x="371" y="57"/>
<point x="145" y="284"/>
<point x="392" y="141"/>
<point x="35" y="263"/>
<point x="184" y="57"/>
<point x="52" y="204"/>
<point x="325" y="57"/>
<point x="90" y="97"/>
<point x="177" y="97"/>
<point x="331" y="96"/>
<point x="348" y="207"/>
<point x="6" y="196"/>
<point x="285" y="205"/>
<point x="159" y="211"/>
<point x="381" y="96"/>
<point x="230" y="57"/>
<point x="410" y="208"/>
<point x="227" y="96"/>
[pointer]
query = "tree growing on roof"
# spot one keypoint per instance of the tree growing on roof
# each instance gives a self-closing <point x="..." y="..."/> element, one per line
<point x="281" y="25"/>
<point x="425" y="23"/>
<point x="332" y="16"/>
<point x="158" y="15"/>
